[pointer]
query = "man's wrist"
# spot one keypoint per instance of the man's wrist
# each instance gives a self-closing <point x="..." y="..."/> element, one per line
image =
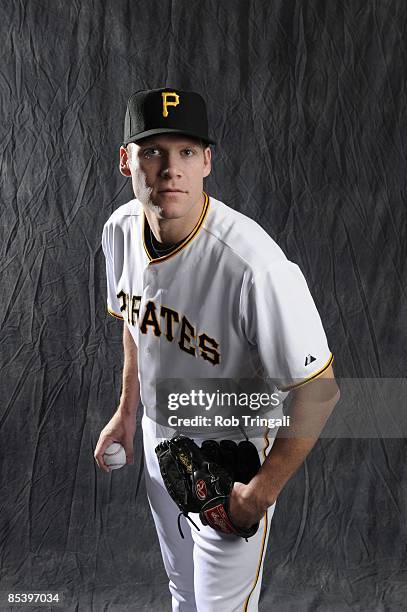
<point x="127" y="408"/>
<point x="262" y="493"/>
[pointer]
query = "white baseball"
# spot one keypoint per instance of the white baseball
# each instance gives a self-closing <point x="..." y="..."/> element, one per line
<point x="115" y="456"/>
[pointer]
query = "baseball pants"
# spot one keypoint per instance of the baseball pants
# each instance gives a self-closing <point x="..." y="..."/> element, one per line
<point x="208" y="571"/>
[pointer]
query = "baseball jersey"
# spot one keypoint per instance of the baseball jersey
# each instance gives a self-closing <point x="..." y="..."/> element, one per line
<point x="225" y="303"/>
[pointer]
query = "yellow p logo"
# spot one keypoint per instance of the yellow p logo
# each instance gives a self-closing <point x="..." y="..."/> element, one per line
<point x="170" y="98"/>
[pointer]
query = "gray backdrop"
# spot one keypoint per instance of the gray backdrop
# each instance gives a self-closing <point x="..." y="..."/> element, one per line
<point x="307" y="99"/>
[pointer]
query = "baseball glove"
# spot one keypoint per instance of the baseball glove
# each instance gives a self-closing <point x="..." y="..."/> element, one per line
<point x="200" y="479"/>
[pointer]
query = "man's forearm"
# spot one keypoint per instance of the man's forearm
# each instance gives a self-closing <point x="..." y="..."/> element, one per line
<point x="284" y="459"/>
<point x="288" y="453"/>
<point x="130" y="395"/>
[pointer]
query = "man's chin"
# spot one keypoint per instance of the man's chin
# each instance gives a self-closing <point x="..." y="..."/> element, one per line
<point x="170" y="207"/>
<point x="172" y="212"/>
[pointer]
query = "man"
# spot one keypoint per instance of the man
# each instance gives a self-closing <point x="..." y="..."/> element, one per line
<point x="205" y="293"/>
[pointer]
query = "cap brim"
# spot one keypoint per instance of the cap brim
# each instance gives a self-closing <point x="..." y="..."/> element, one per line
<point x="148" y="133"/>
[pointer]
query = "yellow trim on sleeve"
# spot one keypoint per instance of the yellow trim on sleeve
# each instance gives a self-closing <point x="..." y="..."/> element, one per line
<point x="114" y="314"/>
<point x="263" y="542"/>
<point x="311" y="377"/>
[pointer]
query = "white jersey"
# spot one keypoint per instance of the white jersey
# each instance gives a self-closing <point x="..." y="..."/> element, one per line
<point x="226" y="303"/>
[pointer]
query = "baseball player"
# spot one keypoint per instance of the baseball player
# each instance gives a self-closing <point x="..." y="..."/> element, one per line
<point x="203" y="293"/>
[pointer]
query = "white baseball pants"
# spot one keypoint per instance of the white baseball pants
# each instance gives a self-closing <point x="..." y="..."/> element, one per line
<point x="208" y="571"/>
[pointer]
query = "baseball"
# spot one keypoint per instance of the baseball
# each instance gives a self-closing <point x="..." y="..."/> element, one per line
<point x="115" y="456"/>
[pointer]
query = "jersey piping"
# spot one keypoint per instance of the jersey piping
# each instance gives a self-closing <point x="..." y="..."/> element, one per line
<point x="114" y="314"/>
<point x="311" y="377"/>
<point x="266" y="525"/>
<point x="184" y="243"/>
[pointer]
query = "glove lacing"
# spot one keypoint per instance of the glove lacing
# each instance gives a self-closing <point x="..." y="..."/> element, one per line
<point x="190" y="520"/>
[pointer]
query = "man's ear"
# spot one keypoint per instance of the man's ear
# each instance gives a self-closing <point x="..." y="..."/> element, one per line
<point x="207" y="161"/>
<point x="124" y="162"/>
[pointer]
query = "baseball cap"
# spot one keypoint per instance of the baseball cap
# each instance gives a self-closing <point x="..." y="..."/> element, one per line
<point x="167" y="110"/>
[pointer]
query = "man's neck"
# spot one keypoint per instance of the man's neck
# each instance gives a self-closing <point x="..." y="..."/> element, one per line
<point x="172" y="231"/>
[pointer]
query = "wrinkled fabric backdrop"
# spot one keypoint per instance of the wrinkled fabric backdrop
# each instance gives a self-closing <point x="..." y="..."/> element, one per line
<point x="308" y="102"/>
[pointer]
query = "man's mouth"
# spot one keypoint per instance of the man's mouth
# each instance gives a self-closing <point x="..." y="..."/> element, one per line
<point x="171" y="191"/>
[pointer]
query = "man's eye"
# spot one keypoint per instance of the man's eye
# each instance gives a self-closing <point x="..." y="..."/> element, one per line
<point x="188" y="152"/>
<point x="152" y="152"/>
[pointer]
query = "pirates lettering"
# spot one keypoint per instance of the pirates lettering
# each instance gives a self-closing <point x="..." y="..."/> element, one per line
<point x="172" y="325"/>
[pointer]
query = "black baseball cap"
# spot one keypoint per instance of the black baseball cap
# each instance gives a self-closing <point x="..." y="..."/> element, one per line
<point x="163" y="111"/>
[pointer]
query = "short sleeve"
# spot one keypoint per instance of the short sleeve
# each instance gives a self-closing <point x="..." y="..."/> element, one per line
<point x="113" y="304"/>
<point x="281" y="318"/>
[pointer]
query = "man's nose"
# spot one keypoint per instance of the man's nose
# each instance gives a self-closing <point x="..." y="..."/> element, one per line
<point x="170" y="167"/>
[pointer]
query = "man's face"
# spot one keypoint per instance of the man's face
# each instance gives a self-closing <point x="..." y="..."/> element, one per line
<point x="167" y="172"/>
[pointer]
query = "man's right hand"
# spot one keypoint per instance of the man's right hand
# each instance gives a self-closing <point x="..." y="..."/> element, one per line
<point x="121" y="428"/>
